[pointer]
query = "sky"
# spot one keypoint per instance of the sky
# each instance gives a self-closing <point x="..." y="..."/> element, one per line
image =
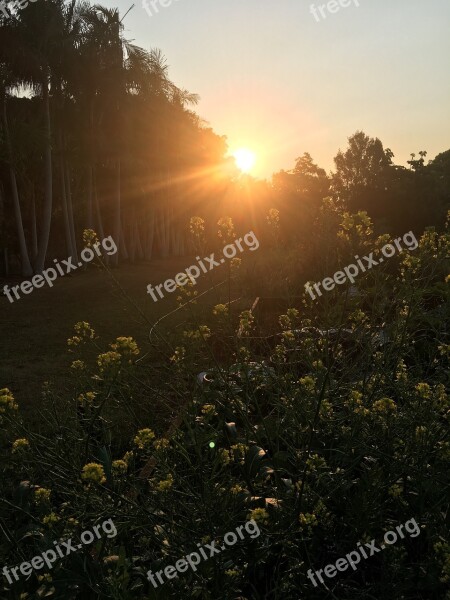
<point x="277" y="80"/>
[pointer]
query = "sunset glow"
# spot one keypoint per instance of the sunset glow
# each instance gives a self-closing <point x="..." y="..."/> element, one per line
<point x="245" y="159"/>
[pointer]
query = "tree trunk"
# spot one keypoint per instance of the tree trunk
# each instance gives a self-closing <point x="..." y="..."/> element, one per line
<point x="34" y="238"/>
<point x="89" y="211"/>
<point x="70" y="211"/>
<point x="150" y="235"/>
<point x="98" y="214"/>
<point x="140" y="251"/>
<point x="26" y="265"/>
<point x="67" y="232"/>
<point x="117" y="222"/>
<point x="48" y="189"/>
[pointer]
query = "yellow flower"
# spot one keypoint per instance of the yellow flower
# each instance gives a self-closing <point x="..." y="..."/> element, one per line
<point x="197" y="230"/>
<point x="108" y="361"/>
<point x="84" y="330"/>
<point x="307" y="520"/>
<point x="424" y="390"/>
<point x="42" y="495"/>
<point x="239" y="451"/>
<point x="308" y="383"/>
<point x="50" y="519"/>
<point x="93" y="472"/>
<point x="90" y="237"/>
<point x="236" y="489"/>
<point x="128" y="457"/>
<point x="226" y="229"/>
<point x="224" y="456"/>
<point x="273" y="218"/>
<point x="161" y="444"/>
<point x="231" y="572"/>
<point x="179" y="356"/>
<point x="235" y="265"/>
<point x="119" y="467"/>
<point x="209" y="410"/>
<point x="78" y="365"/>
<point x="395" y="490"/>
<point x="144" y="438"/>
<point x="7" y="402"/>
<point x="126" y="346"/>
<point x="20" y="445"/>
<point x="220" y="310"/>
<point x="86" y="399"/>
<point x="165" y="484"/>
<point x="187" y="294"/>
<point x="287" y="321"/>
<point x="385" y="405"/>
<point x="246" y="322"/>
<point x="203" y="332"/>
<point x="260" y="515"/>
<point x="356" y="226"/>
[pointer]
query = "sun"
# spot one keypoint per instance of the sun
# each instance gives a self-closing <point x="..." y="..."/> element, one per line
<point x="244" y="159"/>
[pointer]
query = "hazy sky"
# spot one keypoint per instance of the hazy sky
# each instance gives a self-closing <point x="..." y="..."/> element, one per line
<point x="273" y="79"/>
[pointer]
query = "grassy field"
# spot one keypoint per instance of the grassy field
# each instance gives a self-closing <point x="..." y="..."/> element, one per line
<point x="36" y="327"/>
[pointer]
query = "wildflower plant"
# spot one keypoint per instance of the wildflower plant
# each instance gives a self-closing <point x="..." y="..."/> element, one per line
<point x="346" y="439"/>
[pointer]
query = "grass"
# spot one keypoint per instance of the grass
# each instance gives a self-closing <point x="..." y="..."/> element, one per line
<point x="36" y="327"/>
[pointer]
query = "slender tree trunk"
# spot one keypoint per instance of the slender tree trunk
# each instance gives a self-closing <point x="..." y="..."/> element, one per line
<point x="132" y="230"/>
<point x="117" y="222"/>
<point x="150" y="235"/>
<point x="140" y="251"/>
<point x="48" y="189"/>
<point x="26" y="265"/>
<point x="123" y="247"/>
<point x="98" y="214"/>
<point x="34" y="238"/>
<point x="70" y="211"/>
<point x="89" y="211"/>
<point x="67" y="232"/>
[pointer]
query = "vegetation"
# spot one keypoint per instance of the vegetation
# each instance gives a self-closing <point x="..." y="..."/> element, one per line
<point x="329" y="432"/>
<point x="325" y="421"/>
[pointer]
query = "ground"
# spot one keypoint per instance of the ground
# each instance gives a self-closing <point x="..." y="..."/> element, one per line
<point x="36" y="327"/>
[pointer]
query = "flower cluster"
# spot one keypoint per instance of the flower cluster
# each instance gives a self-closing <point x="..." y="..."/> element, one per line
<point x="126" y="346"/>
<point x="90" y="238"/>
<point x="7" y="402"/>
<point x="93" y="472"/>
<point x="273" y="218"/>
<point x="83" y="332"/>
<point x="20" y="445"/>
<point x="144" y="438"/>
<point x="226" y="229"/>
